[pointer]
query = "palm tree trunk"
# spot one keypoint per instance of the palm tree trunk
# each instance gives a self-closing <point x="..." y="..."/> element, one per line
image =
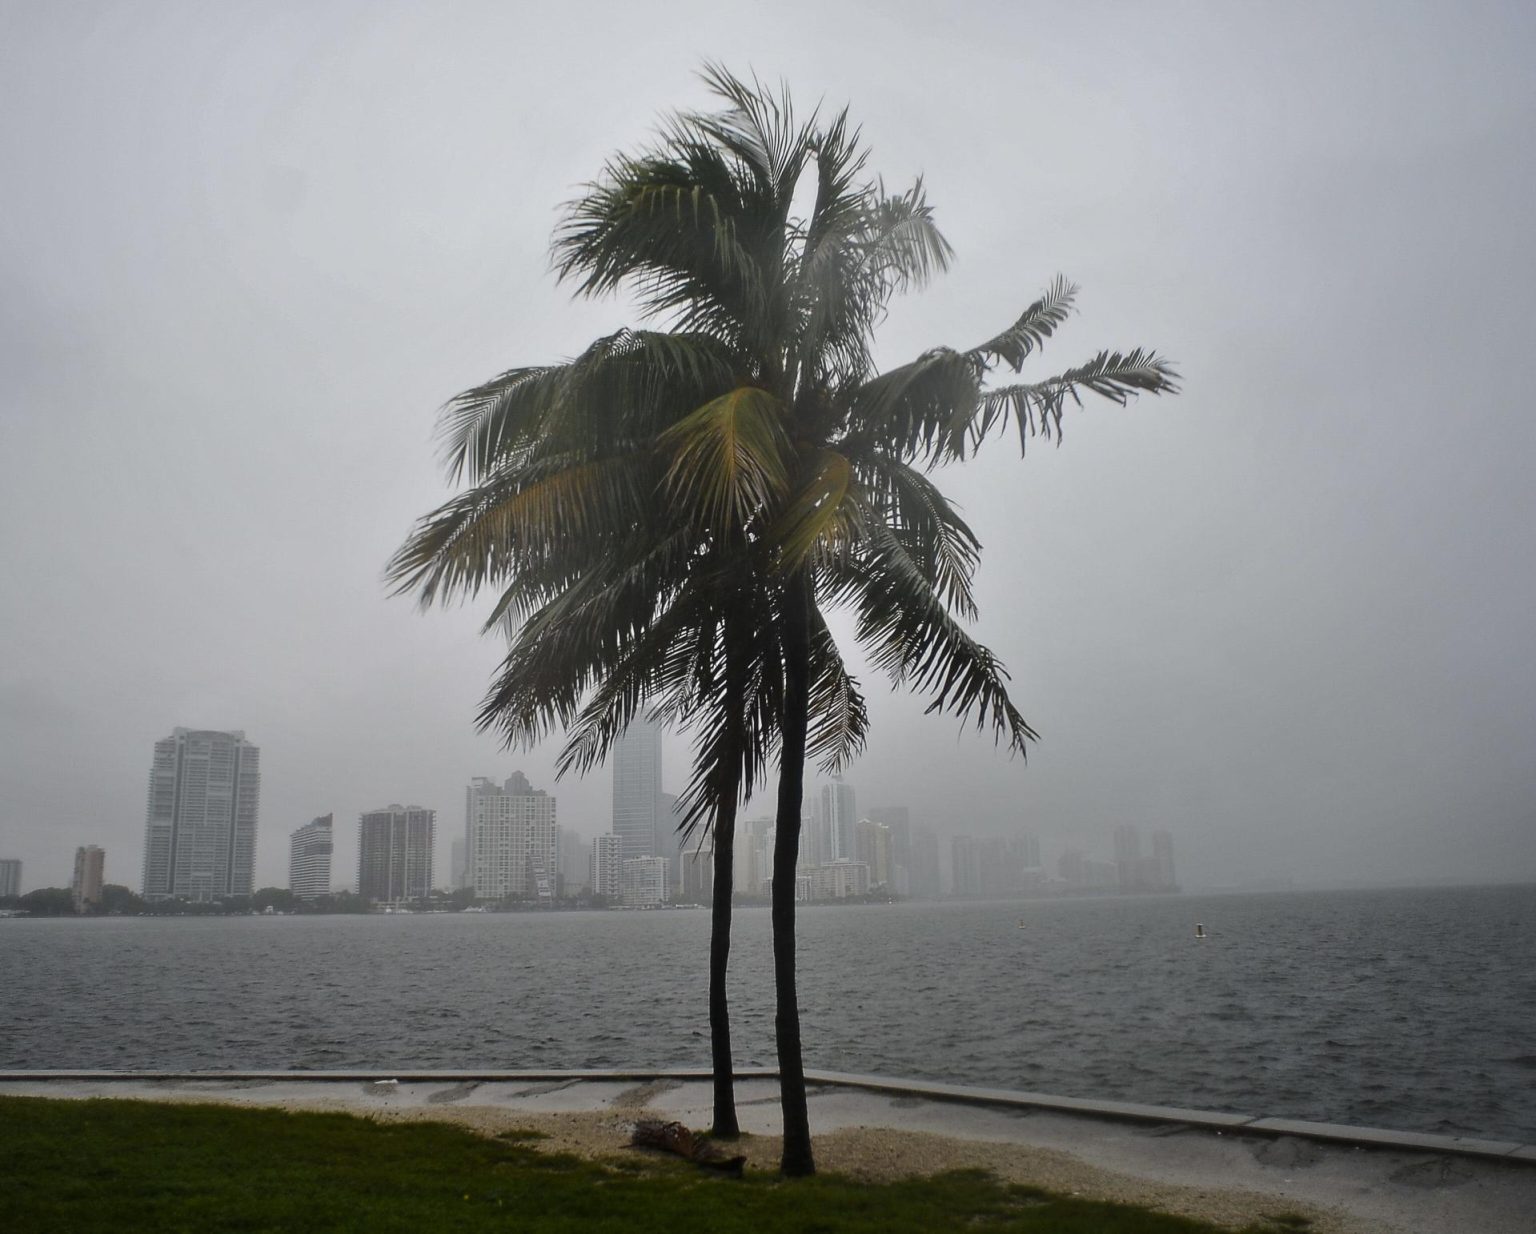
<point x="797" y="1159"/>
<point x="725" y="1126"/>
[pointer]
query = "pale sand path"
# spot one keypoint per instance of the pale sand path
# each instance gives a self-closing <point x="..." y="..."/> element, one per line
<point x="1231" y="1180"/>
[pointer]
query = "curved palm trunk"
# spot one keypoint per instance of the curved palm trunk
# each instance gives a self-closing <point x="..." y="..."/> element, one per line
<point x="725" y="1126"/>
<point x="797" y="1159"/>
<point x="722" y="1068"/>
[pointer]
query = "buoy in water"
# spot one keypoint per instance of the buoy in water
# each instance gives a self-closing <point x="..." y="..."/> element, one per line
<point x="1199" y="931"/>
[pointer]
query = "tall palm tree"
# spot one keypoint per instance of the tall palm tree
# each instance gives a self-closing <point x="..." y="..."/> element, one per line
<point x="815" y="461"/>
<point x="614" y="594"/>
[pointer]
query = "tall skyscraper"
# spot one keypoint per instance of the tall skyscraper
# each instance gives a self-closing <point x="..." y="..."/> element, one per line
<point x="513" y="840"/>
<point x="394" y="853"/>
<point x="899" y="820"/>
<point x="86" y="884"/>
<point x="200" y="827"/>
<point x="10" y="877"/>
<point x="637" y="788"/>
<point x="965" y="866"/>
<point x="835" y="820"/>
<point x="1128" y="856"/>
<point x="309" y="858"/>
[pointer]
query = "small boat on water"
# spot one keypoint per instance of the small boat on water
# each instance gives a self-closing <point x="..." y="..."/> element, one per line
<point x="1199" y="932"/>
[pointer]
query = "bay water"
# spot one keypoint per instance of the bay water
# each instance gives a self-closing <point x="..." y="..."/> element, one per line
<point x="1411" y="1009"/>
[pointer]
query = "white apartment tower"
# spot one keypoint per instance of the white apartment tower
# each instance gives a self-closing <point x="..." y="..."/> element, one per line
<point x="200" y="827"/>
<point x="637" y="788"/>
<point x="309" y="858"/>
<point x="512" y="840"/>
<point x="607" y="867"/>
<point x="10" y="877"/>
<point x="832" y="834"/>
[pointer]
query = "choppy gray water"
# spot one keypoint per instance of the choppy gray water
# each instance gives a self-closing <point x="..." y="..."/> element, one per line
<point x="1408" y="1009"/>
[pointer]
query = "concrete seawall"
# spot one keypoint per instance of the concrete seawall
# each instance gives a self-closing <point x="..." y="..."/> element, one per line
<point x="1357" y="1180"/>
<point x="959" y="1094"/>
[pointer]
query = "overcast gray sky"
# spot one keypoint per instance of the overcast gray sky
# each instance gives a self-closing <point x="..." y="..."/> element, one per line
<point x="246" y="250"/>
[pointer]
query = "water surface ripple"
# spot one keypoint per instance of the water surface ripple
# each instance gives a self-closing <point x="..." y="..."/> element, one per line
<point x="1406" y="1009"/>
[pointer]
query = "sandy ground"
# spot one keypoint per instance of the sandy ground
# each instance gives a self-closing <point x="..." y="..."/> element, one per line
<point x="1230" y="1180"/>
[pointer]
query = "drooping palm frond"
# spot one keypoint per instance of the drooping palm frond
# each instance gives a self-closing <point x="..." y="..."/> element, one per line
<point x="1036" y="407"/>
<point x="913" y="637"/>
<point x="730" y="458"/>
<point x="1037" y="323"/>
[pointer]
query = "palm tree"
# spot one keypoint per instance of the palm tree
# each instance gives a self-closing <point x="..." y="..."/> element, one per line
<point x="614" y="595"/>
<point x="814" y="463"/>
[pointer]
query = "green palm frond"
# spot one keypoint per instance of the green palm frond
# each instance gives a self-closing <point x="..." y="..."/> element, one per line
<point x="1036" y="407"/>
<point x="1037" y="323"/>
<point x="839" y="719"/>
<point x="729" y="458"/>
<point x="913" y="637"/>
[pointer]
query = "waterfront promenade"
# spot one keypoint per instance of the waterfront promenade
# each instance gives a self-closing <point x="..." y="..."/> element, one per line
<point x="1222" y="1167"/>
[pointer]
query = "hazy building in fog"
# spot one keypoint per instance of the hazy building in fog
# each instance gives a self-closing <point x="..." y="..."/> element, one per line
<point x="927" y="878"/>
<point x="394" y="854"/>
<point x="1127" y="856"/>
<point x="607" y="868"/>
<point x="86" y="884"/>
<point x="696" y="884"/>
<point x="643" y="882"/>
<point x="898" y="822"/>
<point x="310" y="848"/>
<point x="872" y="846"/>
<point x="200" y="826"/>
<point x="513" y="840"/>
<point x="964" y="866"/>
<point x="753" y="872"/>
<point x="458" y="860"/>
<point x="833" y="823"/>
<point x="1010" y="865"/>
<point x="837" y="881"/>
<point x="637" y="788"/>
<point x="10" y="877"/>
<point x="1136" y="873"/>
<point x="575" y="863"/>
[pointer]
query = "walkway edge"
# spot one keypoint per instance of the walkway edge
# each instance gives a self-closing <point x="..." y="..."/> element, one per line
<point x="1208" y="1120"/>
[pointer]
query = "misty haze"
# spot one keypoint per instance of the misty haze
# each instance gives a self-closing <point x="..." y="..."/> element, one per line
<point x="758" y="572"/>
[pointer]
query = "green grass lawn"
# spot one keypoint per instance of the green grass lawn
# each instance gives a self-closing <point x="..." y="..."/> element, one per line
<point x="114" y="1166"/>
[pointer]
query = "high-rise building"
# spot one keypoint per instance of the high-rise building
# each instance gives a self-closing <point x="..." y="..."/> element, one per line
<point x="965" y="866"/>
<point x="872" y="846"/>
<point x="514" y="841"/>
<point x="394" y="854"/>
<point x="86" y="884"/>
<point x="1128" y="856"/>
<point x="927" y="883"/>
<point x="637" y="788"/>
<point x="643" y="883"/>
<point x="575" y="863"/>
<point x="309" y="858"/>
<point x="835" y="820"/>
<point x="200" y="827"/>
<point x="898" y="821"/>
<point x="10" y="877"/>
<point x="607" y="876"/>
<point x="696" y="884"/>
<point x="458" y="860"/>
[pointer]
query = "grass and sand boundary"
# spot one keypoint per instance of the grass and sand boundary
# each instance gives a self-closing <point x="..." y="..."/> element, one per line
<point x="872" y="1143"/>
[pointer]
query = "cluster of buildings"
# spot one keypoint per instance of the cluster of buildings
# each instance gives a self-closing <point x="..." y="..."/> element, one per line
<point x="200" y="842"/>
